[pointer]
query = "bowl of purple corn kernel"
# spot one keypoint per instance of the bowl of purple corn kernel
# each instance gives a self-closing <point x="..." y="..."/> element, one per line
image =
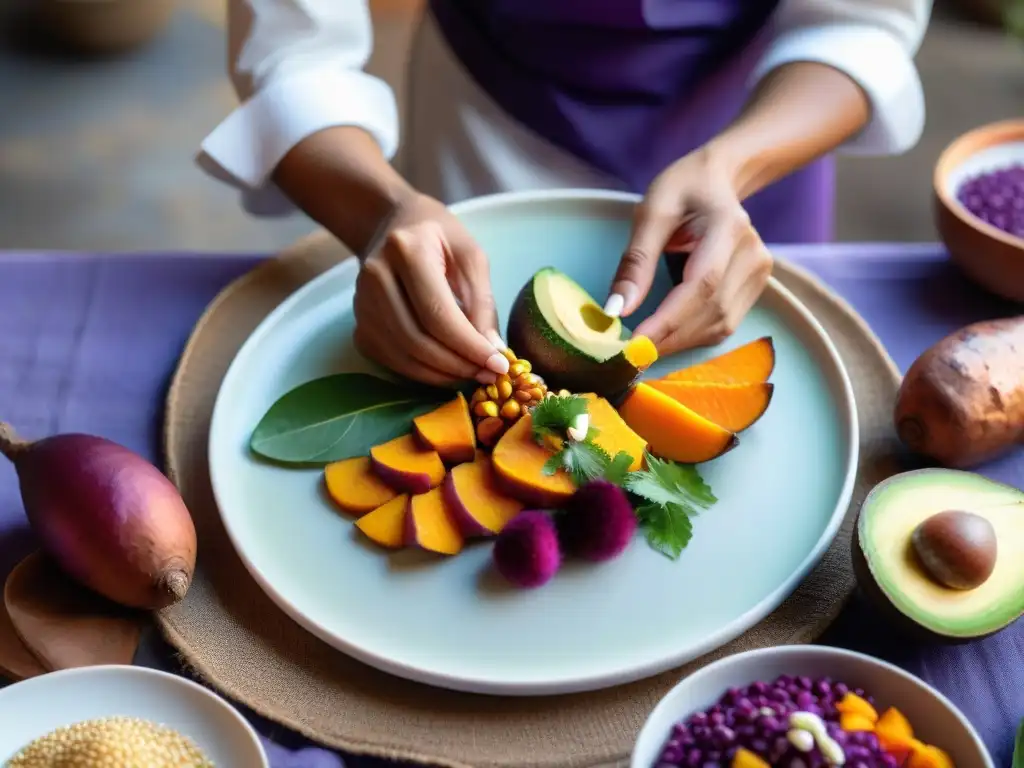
<point x="979" y="206"/>
<point x="785" y="706"/>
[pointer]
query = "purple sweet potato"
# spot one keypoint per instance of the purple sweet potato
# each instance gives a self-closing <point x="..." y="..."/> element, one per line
<point x="407" y="466"/>
<point x="478" y="506"/>
<point x="110" y="519"/>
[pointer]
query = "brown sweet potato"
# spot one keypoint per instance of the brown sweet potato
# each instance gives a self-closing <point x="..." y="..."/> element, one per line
<point x="962" y="401"/>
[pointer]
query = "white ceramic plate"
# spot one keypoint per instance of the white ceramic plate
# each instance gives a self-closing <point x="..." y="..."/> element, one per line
<point x="34" y="707"/>
<point x="782" y="494"/>
<point x="934" y="718"/>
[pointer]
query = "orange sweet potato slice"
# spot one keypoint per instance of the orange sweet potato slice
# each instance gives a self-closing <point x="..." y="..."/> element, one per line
<point x="752" y="362"/>
<point x="386" y="524"/>
<point x="519" y="468"/>
<point x="734" y="407"/>
<point x="854" y="721"/>
<point x="852" y="704"/>
<point x="355" y="487"/>
<point x="477" y="505"/>
<point x="518" y="461"/>
<point x="672" y="430"/>
<point x="614" y="434"/>
<point x="744" y="758"/>
<point x="898" y="746"/>
<point x="448" y="430"/>
<point x="429" y="524"/>
<point x="927" y="756"/>
<point x="894" y="723"/>
<point x="407" y="466"/>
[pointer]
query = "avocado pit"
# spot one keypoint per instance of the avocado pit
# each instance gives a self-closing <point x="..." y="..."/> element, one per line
<point x="956" y="548"/>
<point x="925" y="553"/>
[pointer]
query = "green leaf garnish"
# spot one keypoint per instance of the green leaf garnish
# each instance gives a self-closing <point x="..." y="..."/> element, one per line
<point x="583" y="461"/>
<point x="671" y="493"/>
<point x="668" y="528"/>
<point x="552" y="416"/>
<point x="339" y="417"/>
<point x="618" y="469"/>
<point x="665" y="482"/>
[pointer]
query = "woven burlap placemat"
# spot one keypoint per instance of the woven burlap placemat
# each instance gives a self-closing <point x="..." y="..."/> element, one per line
<point x="230" y="633"/>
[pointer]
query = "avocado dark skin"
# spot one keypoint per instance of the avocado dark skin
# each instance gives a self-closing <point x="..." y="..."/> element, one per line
<point x="904" y="625"/>
<point x="559" y="369"/>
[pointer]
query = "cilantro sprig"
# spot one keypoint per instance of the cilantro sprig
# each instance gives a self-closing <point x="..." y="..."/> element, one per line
<point x="584" y="460"/>
<point x="666" y="495"/>
<point x="553" y="416"/>
<point x="672" y="494"/>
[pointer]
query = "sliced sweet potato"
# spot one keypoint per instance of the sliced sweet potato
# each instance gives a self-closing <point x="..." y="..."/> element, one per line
<point x="519" y="468"/>
<point x="519" y="462"/>
<point x="744" y="758"/>
<point x="407" y="466"/>
<point x="614" y="434"/>
<point x="475" y="501"/>
<point x="429" y="524"/>
<point x="734" y="407"/>
<point x="852" y="704"/>
<point x="355" y="487"/>
<point x="752" y="362"/>
<point x="672" y="430"/>
<point x="854" y="721"/>
<point x="386" y="524"/>
<point x="448" y="430"/>
<point x="894" y="723"/>
<point x="898" y="746"/>
<point x="927" y="756"/>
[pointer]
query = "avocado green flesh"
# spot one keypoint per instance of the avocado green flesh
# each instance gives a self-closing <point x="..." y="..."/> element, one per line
<point x="887" y="521"/>
<point x="573" y="316"/>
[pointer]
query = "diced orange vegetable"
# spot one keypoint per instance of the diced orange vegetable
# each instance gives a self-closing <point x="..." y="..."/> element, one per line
<point x="929" y="757"/>
<point x="853" y="704"/>
<point x="899" y="747"/>
<point x="853" y="721"/>
<point x="894" y="723"/>
<point x="744" y="758"/>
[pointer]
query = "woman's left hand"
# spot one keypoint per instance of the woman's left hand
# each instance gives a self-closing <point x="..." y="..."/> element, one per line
<point x="692" y="207"/>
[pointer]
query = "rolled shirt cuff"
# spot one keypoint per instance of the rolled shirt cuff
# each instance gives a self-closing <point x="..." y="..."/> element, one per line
<point x="246" y="147"/>
<point x="879" y="63"/>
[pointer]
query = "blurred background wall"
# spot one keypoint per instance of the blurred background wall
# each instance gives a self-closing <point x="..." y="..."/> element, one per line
<point x="96" y="153"/>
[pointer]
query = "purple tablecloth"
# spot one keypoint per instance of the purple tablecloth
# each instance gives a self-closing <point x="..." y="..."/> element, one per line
<point x="88" y="343"/>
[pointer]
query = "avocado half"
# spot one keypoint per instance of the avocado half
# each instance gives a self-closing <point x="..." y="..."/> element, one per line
<point x="890" y="574"/>
<point x="569" y="340"/>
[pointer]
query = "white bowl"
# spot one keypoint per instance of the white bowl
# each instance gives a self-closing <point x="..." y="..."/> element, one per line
<point x="933" y="716"/>
<point x="36" y="706"/>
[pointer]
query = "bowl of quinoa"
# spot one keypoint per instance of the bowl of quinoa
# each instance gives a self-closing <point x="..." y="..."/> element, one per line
<point x="978" y="203"/>
<point x="118" y="716"/>
<point x="806" y="706"/>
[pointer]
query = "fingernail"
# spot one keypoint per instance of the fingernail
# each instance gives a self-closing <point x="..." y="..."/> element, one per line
<point x="486" y="377"/>
<point x="613" y="307"/>
<point x="495" y="339"/>
<point x="497" y="363"/>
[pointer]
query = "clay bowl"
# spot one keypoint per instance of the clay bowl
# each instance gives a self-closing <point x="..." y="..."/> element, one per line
<point x="987" y="255"/>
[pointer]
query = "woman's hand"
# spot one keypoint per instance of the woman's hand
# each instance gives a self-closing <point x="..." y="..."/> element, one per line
<point x="692" y="207"/>
<point x="423" y="302"/>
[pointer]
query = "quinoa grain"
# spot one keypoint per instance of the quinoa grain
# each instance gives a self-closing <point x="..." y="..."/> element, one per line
<point x="112" y="742"/>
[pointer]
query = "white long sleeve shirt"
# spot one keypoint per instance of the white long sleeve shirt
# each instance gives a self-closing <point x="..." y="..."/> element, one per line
<point x="298" y="67"/>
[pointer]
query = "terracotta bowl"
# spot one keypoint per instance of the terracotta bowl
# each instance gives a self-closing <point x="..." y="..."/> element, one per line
<point x="989" y="256"/>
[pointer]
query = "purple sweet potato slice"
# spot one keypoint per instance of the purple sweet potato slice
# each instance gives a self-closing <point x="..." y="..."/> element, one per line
<point x="407" y="466"/>
<point x="477" y="504"/>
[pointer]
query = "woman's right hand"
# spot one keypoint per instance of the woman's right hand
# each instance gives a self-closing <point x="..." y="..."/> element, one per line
<point x="423" y="301"/>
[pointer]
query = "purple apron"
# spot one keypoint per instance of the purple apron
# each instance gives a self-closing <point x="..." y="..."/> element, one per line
<point x="630" y="86"/>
